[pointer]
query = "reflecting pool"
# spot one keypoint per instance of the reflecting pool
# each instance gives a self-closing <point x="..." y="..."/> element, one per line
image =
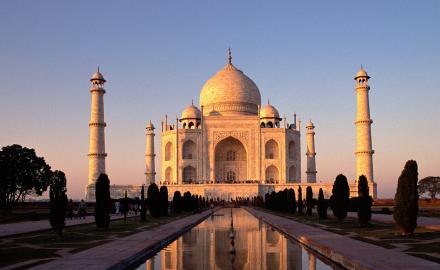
<point x="252" y="244"/>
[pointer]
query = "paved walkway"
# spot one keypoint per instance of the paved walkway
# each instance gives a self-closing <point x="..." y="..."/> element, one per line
<point x="119" y="254"/>
<point x="422" y="222"/>
<point x="348" y="252"/>
<point x="9" y="229"/>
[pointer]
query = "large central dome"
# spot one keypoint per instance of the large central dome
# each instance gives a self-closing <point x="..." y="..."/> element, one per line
<point x="230" y="92"/>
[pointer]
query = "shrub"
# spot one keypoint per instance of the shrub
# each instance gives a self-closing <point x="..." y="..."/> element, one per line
<point x="300" y="202"/>
<point x="103" y="201"/>
<point x="340" y="197"/>
<point x="309" y="200"/>
<point x="406" y="200"/>
<point x="177" y="202"/>
<point x="322" y="205"/>
<point x="58" y="202"/>
<point x="364" y="202"/>
<point x="164" y="201"/>
<point x="143" y="206"/>
<point x="153" y="200"/>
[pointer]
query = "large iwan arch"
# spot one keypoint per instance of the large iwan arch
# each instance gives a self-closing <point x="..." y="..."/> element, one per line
<point x="230" y="161"/>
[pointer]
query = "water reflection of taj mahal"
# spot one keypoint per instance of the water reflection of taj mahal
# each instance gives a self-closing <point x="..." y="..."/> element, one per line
<point x="257" y="247"/>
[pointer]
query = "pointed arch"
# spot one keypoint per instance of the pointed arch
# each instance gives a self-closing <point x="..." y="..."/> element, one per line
<point x="189" y="174"/>
<point x="189" y="150"/>
<point x="292" y="150"/>
<point x="230" y="160"/>
<point x="272" y="175"/>
<point x="168" y="151"/>
<point x="271" y="149"/>
<point x="292" y="174"/>
<point x="168" y="172"/>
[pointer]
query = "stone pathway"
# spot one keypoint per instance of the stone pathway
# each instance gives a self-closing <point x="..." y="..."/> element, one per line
<point x="122" y="252"/>
<point x="431" y="223"/>
<point x="348" y="252"/>
<point x="10" y="229"/>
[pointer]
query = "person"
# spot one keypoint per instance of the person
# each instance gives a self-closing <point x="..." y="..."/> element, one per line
<point x="82" y="209"/>
<point x="70" y="207"/>
<point x="117" y="205"/>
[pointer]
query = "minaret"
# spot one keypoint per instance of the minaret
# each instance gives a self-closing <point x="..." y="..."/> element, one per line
<point x="364" y="151"/>
<point x="311" y="163"/>
<point x="97" y="139"/>
<point x="150" y="171"/>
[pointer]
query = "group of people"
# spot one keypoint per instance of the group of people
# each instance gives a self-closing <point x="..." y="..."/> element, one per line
<point x="76" y="212"/>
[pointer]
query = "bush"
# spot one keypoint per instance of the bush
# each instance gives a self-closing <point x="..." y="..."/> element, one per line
<point x="164" y="201"/>
<point x="103" y="201"/>
<point x="309" y="201"/>
<point x="58" y="202"/>
<point x="406" y="200"/>
<point x="143" y="206"/>
<point x="300" y="202"/>
<point x="153" y="200"/>
<point x="340" y="197"/>
<point x="177" y="202"/>
<point x="364" y="202"/>
<point x="322" y="205"/>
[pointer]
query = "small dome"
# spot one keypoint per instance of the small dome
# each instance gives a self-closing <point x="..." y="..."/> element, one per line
<point x="97" y="76"/>
<point x="191" y="112"/>
<point x="362" y="73"/>
<point x="310" y="124"/>
<point x="230" y="92"/>
<point x="269" y="111"/>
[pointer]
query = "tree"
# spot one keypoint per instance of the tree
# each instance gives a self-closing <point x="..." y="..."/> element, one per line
<point x="103" y="201"/>
<point x="340" y="197"/>
<point x="153" y="200"/>
<point x="143" y="206"/>
<point x="322" y="205"/>
<point x="309" y="200"/>
<point x="187" y="201"/>
<point x="164" y="201"/>
<point x="406" y="200"/>
<point x="364" y="201"/>
<point x="177" y="202"/>
<point x="291" y="201"/>
<point x="58" y="202"/>
<point x="300" y="202"/>
<point x="430" y="185"/>
<point x="22" y="173"/>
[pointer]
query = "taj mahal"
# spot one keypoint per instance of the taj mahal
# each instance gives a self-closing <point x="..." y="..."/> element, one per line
<point x="231" y="145"/>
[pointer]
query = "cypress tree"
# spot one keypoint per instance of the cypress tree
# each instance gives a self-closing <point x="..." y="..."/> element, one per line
<point x="406" y="200"/>
<point x="364" y="201"/>
<point x="58" y="202"/>
<point x="300" y="202"/>
<point x="340" y="197"/>
<point x="309" y="200"/>
<point x="153" y="200"/>
<point x="177" y="202"/>
<point x="322" y="205"/>
<point x="125" y="206"/>
<point x="164" y="201"/>
<point x="103" y="201"/>
<point x="143" y="206"/>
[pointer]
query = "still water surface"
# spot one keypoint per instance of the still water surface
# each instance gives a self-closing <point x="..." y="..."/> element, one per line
<point x="256" y="245"/>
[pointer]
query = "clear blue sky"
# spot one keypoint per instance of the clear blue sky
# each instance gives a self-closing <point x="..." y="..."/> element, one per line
<point x="157" y="55"/>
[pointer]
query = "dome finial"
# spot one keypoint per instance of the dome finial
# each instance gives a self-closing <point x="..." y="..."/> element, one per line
<point x="268" y="101"/>
<point x="229" y="56"/>
<point x="192" y="102"/>
<point x="98" y="68"/>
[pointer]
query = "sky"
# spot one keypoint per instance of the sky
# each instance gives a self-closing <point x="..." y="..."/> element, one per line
<point x="156" y="56"/>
